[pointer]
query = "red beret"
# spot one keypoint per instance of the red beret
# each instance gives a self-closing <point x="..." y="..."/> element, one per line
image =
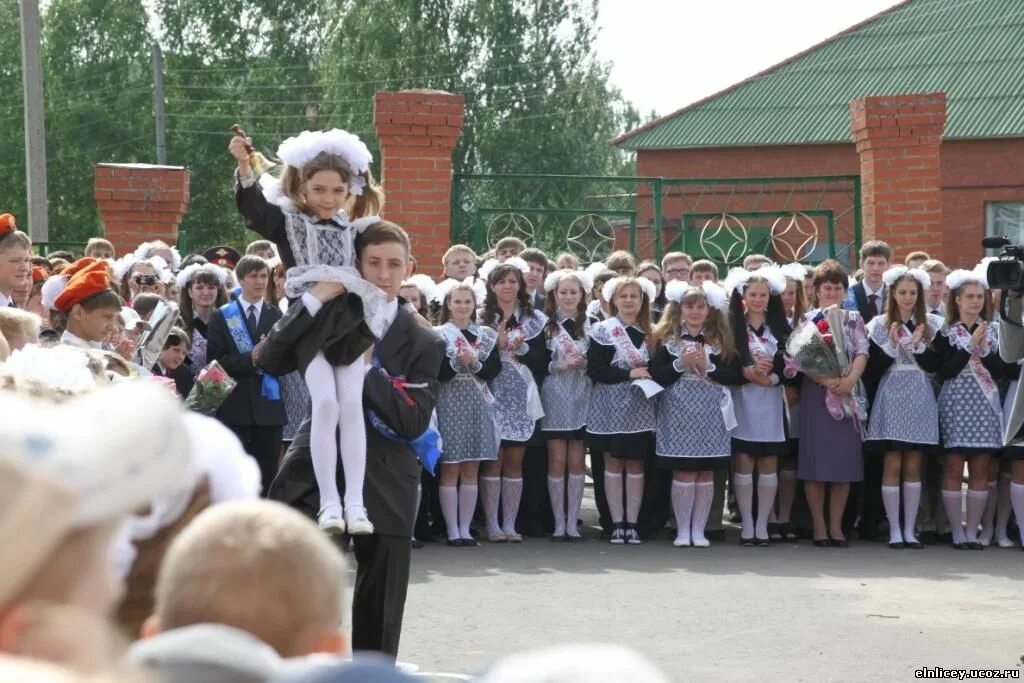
<point x="7" y="224"/>
<point x="86" y="282"/>
<point x="38" y="275"/>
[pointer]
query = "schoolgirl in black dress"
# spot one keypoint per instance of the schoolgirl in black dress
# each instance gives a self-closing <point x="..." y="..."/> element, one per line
<point x="508" y="309"/>
<point x="621" y="419"/>
<point x="696" y="362"/>
<point x="565" y="396"/>
<point x="760" y="332"/>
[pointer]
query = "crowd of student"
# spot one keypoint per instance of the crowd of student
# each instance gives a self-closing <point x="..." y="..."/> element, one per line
<point x="548" y="361"/>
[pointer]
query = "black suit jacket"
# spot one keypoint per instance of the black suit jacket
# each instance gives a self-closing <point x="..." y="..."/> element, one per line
<point x="392" y="470"/>
<point x="860" y="296"/>
<point x="245" y="406"/>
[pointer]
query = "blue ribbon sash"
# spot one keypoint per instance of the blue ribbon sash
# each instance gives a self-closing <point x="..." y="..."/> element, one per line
<point x="426" y="445"/>
<point x="239" y="331"/>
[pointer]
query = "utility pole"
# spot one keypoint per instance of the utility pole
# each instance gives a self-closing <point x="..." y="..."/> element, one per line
<point x="158" y="105"/>
<point x="35" y="122"/>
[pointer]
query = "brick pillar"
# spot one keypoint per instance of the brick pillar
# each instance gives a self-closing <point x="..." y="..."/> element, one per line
<point x="899" y="139"/>
<point x="139" y="203"/>
<point x="418" y="131"/>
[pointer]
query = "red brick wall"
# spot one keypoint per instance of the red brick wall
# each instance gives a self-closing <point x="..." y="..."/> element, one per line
<point x="139" y="203"/>
<point x="418" y="131"/>
<point x="973" y="172"/>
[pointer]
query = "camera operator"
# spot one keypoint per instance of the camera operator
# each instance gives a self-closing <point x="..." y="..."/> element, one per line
<point x="1007" y="274"/>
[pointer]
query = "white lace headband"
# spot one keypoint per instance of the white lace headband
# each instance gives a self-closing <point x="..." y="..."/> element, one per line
<point x="300" y="150"/>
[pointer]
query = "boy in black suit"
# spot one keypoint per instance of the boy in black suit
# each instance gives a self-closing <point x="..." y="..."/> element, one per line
<point x="868" y="297"/>
<point x="399" y="395"/>
<point x="254" y="410"/>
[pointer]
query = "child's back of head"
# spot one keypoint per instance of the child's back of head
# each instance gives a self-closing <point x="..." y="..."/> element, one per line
<point x="259" y="567"/>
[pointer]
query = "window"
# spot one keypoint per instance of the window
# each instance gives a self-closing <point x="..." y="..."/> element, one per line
<point x="1005" y="218"/>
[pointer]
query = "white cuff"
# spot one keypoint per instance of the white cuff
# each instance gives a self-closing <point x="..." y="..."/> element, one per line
<point x="775" y="379"/>
<point x="678" y="366"/>
<point x="245" y="181"/>
<point x="523" y="349"/>
<point x="312" y="304"/>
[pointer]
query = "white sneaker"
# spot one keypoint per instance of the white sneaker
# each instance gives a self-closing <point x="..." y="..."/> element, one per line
<point x="329" y="520"/>
<point x="357" y="521"/>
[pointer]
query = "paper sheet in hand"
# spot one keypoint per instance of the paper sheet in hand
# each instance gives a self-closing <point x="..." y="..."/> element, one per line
<point x="648" y="386"/>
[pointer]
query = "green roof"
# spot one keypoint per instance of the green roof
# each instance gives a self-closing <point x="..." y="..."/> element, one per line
<point x="973" y="50"/>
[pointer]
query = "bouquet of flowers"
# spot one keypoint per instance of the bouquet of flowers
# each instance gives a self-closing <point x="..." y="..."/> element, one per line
<point x="212" y="387"/>
<point x="818" y="348"/>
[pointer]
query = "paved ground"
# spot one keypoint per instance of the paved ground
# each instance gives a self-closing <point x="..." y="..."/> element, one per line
<point x="791" y="612"/>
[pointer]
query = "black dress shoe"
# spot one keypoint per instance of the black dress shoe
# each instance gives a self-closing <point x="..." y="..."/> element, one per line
<point x="959" y="546"/>
<point x="915" y="545"/>
<point x="927" y="537"/>
<point x="468" y="543"/>
<point x="715" y="535"/>
<point x="747" y="542"/>
<point x="416" y="544"/>
<point x="841" y="543"/>
<point x="762" y="542"/>
<point x="898" y="545"/>
<point x="455" y="543"/>
<point x="974" y="545"/>
<point x="822" y="543"/>
<point x="557" y="539"/>
<point x="787" y="532"/>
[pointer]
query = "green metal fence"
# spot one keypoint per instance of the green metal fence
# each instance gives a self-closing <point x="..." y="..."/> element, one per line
<point x="721" y="219"/>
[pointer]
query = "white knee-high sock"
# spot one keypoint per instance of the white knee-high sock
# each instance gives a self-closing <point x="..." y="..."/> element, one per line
<point x="682" y="505"/>
<point x="490" y="495"/>
<point x="323" y="445"/>
<point x="988" y="518"/>
<point x="634" y="496"/>
<point x="576" y="485"/>
<point x="891" y="500"/>
<point x="976" y="501"/>
<point x="743" y="486"/>
<point x="1003" y="507"/>
<point x="952" y="502"/>
<point x="467" y="506"/>
<point x="911" y="504"/>
<point x="556" y="492"/>
<point x="511" y="495"/>
<point x="352" y="429"/>
<point x="787" y="494"/>
<point x="613" y="494"/>
<point x="449" y="496"/>
<point x="767" y="485"/>
<point x="703" y="493"/>
<point x="1017" y="500"/>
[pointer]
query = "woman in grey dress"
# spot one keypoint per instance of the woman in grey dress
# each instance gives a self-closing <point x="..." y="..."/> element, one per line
<point x="565" y="396"/>
<point x="465" y="414"/>
<point x="830" y="449"/>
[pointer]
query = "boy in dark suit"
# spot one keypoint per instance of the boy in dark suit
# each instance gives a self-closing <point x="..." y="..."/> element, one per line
<point x="399" y="395"/>
<point x="868" y="297"/>
<point x="254" y="410"/>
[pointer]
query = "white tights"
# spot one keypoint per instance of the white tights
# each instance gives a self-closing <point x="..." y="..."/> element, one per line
<point x="336" y="394"/>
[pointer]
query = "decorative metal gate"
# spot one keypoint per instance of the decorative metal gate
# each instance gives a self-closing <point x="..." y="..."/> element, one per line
<point x="722" y="219"/>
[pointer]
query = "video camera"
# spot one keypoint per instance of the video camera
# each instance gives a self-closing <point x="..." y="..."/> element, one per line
<point x="1007" y="271"/>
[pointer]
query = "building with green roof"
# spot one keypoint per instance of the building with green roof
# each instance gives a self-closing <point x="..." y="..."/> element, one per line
<point x="794" y="119"/>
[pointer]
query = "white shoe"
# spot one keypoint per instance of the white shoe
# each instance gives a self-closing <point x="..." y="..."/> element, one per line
<point x="329" y="520"/>
<point x="681" y="542"/>
<point x="357" y="521"/>
<point x="1005" y="542"/>
<point x="701" y="543"/>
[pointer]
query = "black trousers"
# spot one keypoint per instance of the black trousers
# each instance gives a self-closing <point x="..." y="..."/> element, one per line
<point x="264" y="445"/>
<point x="382" y="583"/>
<point x="604" y="515"/>
<point x="535" y="515"/>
